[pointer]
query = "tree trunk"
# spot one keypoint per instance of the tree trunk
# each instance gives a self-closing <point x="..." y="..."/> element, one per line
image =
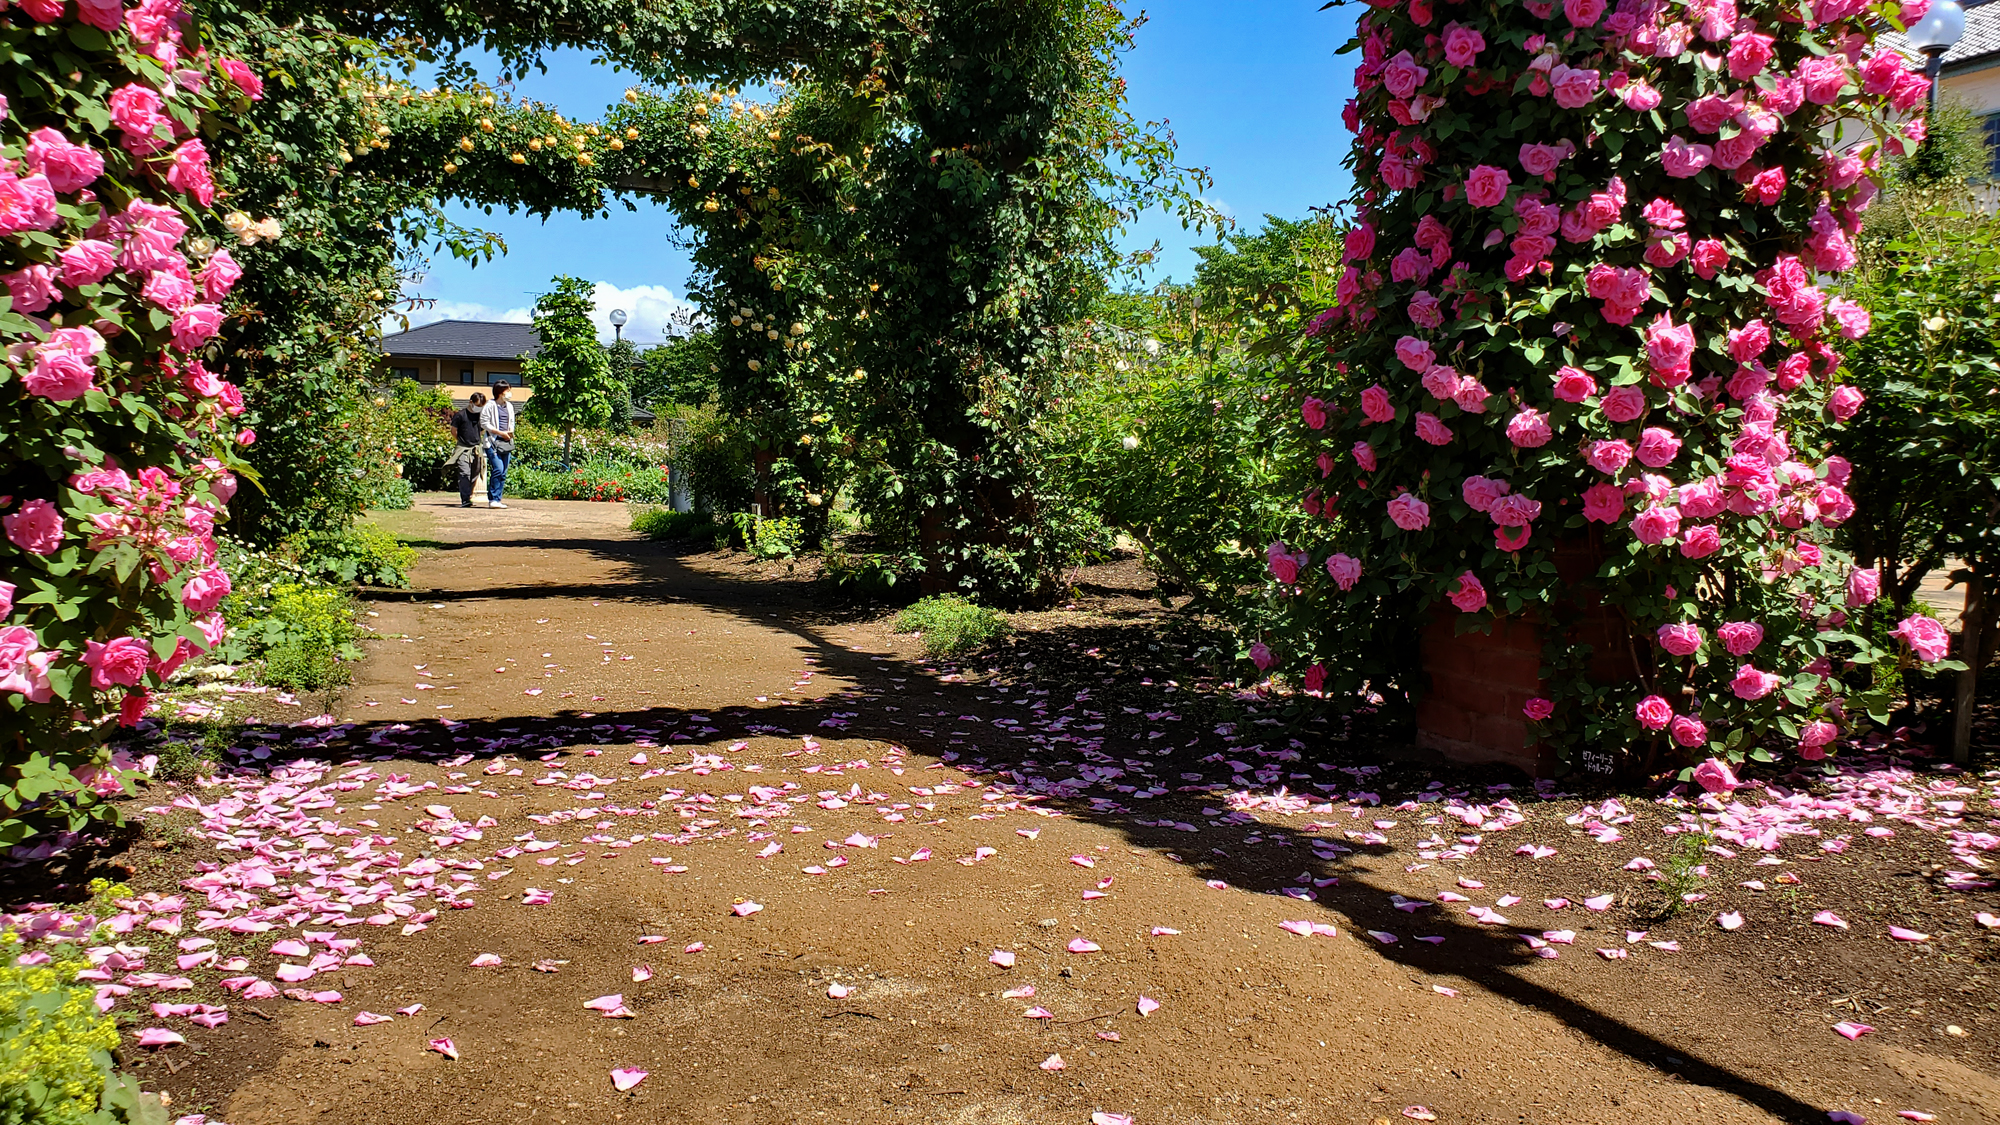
<point x="568" y="432"/>
<point x="1972" y="635"/>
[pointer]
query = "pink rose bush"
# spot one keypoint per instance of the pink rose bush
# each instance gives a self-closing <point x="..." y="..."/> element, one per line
<point x="1556" y="338"/>
<point x="109" y="548"/>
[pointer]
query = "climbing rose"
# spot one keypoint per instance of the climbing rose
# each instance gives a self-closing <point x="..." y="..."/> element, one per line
<point x="1658" y="447"/>
<point x="1824" y="77"/>
<point x="1609" y="457"/>
<point x="247" y="80"/>
<point x="1345" y="570"/>
<point x="1314" y="412"/>
<point x="1574" y="87"/>
<point x="26" y="203"/>
<point x="1402" y="76"/>
<point x="87" y="262"/>
<point x="1364" y="456"/>
<point x="135" y="109"/>
<point x="1925" y="637"/>
<point x="1260" y="655"/>
<point x="1470" y="597"/>
<point x="1689" y="731"/>
<point x="1537" y="709"/>
<point x="189" y="173"/>
<point x="1462" y="46"/>
<point x="1409" y="513"/>
<point x="1583" y="13"/>
<point x="1574" y="385"/>
<point x="219" y="276"/>
<point x="122" y="661"/>
<point x="1670" y="350"/>
<point x="1700" y="541"/>
<point x="1709" y="256"/>
<point x="1749" y="53"/>
<point x="196" y="325"/>
<point x="1681" y="640"/>
<point x="1415" y="354"/>
<point x="1852" y="318"/>
<point x="33" y="288"/>
<point x="1604" y="503"/>
<point x="65" y="365"/>
<point x="206" y="590"/>
<point x="1315" y="678"/>
<point x="1682" y="159"/>
<point x="1715" y="776"/>
<point x="1486" y="186"/>
<point x="37" y="528"/>
<point x="1819" y="732"/>
<point x="69" y="167"/>
<point x="1529" y="429"/>
<point x="1375" y="405"/>
<point x="1845" y="402"/>
<point x="1431" y="430"/>
<point x="1863" y="586"/>
<point x="1481" y="493"/>
<point x="1653" y="713"/>
<point x="1656" y="524"/>
<point x="1741" y="637"/>
<point x="1752" y="684"/>
<point x="1623" y="404"/>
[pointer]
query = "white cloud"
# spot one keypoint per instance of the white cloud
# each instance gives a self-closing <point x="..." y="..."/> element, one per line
<point x="652" y="308"/>
<point x="456" y="310"/>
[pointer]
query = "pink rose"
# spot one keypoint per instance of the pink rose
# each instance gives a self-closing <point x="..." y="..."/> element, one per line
<point x="1823" y="77"/>
<point x="1608" y="457"/>
<point x="1863" y="586"/>
<point x="170" y="292"/>
<point x="69" y="167"/>
<point x="1409" y="513"/>
<point x="1471" y="395"/>
<point x="26" y="203"/>
<point x="246" y="437"/>
<point x="6" y="599"/>
<point x="1656" y="524"/>
<point x="1670" y="350"/>
<point x="246" y="79"/>
<point x="1375" y="405"/>
<point x="1715" y="776"/>
<point x="1514" y="510"/>
<point x="23" y="670"/>
<point x="135" y="109"/>
<point x="1708" y="257"/>
<point x="1574" y="88"/>
<point x="121" y="662"/>
<point x="1852" y="318"/>
<point x="196" y="325"/>
<point x="1708" y="114"/>
<point x="1925" y="637"/>
<point x="1364" y="456"/>
<point x="1431" y="430"/>
<point x="1462" y="46"/>
<point x="104" y="15"/>
<point x="1819" y="732"/>
<point x="1658" y="447"/>
<point x="1360" y="242"/>
<point x="1529" y="429"/>
<point x="1542" y="160"/>
<point x="1482" y="493"/>
<point x="1700" y="541"/>
<point x="1845" y="402"/>
<point x="1345" y="570"/>
<point x="1415" y="354"/>
<point x="1583" y="13"/>
<point x="189" y="172"/>
<point x="1574" y="385"/>
<point x="1623" y="404"/>
<point x="33" y="288"/>
<point x="1425" y="311"/>
<point x="206" y="590"/>
<point x="1741" y="638"/>
<point x="1749" y="53"/>
<point x="1700" y="499"/>
<point x="200" y="381"/>
<point x="65" y="366"/>
<point x="1749" y="342"/>
<point x="1315" y="680"/>
<point x="1682" y="159"/>
<point x="1766" y="187"/>
<point x="88" y="262"/>
<point x="213" y="629"/>
<point x="1261" y="656"/>
<point x="1689" y="731"/>
<point x="1653" y="713"/>
<point x="1640" y="97"/>
<point x="1470" y="597"/>
<point x="1681" y="640"/>
<point x="1314" y="412"/>
<point x="1403" y="76"/>
<point x="1487" y="186"/>
<point x="1751" y="684"/>
<point x="43" y="11"/>
<point x="1537" y="709"/>
<point x="1603" y="503"/>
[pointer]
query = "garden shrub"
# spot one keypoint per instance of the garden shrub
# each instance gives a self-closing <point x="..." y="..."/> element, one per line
<point x="663" y="523"/>
<point x="951" y="624"/>
<point x="393" y="495"/>
<point x="715" y="459"/>
<point x="871" y="574"/>
<point x="776" y="538"/>
<point x="412" y="421"/>
<point x="594" y="481"/>
<point x="1581" y="312"/>
<point x="55" y="1049"/>
<point x="360" y="554"/>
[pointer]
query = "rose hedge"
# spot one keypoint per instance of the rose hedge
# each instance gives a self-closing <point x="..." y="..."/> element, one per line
<point x="1585" y="307"/>
<point x="117" y="456"/>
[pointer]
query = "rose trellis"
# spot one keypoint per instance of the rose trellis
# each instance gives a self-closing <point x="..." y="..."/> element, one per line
<point x="117" y="457"/>
<point x="1586" y="316"/>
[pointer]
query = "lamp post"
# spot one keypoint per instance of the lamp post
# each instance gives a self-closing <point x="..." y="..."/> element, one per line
<point x="618" y="317"/>
<point x="1941" y="28"/>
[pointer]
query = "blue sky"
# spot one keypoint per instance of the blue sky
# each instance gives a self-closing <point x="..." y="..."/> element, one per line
<point x="1250" y="88"/>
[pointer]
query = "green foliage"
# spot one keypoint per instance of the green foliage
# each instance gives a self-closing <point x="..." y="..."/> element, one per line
<point x="776" y="537"/>
<point x="952" y="625"/>
<point x="591" y="480"/>
<point x="574" y="385"/>
<point x="306" y="635"/>
<point x="360" y="554"/>
<point x="393" y="495"/>
<point x="1287" y="252"/>
<point x="663" y="524"/>
<point x="870" y="574"/>
<point x="682" y="370"/>
<point x="296" y="666"/>
<point x="1954" y="152"/>
<point x="716" y="460"/>
<point x="55" y="1049"/>
<point x="411" y="424"/>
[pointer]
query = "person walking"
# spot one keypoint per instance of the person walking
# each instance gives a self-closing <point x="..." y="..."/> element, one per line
<point x="497" y="420"/>
<point x="469" y="458"/>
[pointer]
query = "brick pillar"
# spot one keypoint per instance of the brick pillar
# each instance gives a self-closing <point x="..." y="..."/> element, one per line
<point x="1479" y="681"/>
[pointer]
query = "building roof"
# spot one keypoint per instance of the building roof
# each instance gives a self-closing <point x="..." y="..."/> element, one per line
<point x="1979" y="46"/>
<point x="464" y="339"/>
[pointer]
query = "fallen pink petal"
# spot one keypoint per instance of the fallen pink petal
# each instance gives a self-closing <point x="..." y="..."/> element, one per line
<point x="1852" y="1030"/>
<point x="626" y="1077"/>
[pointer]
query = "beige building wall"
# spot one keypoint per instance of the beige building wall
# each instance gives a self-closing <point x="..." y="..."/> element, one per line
<point x="1979" y="90"/>
<point x="446" y="373"/>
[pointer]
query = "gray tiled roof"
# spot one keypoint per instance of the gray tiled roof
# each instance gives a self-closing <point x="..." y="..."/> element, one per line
<point x="1981" y="39"/>
<point x="465" y="339"/>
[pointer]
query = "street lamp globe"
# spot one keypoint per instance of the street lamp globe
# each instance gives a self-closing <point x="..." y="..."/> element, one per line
<point x="1941" y="28"/>
<point x="618" y="317"/>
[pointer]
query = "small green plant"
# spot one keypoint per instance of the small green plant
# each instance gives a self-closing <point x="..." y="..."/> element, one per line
<point x="392" y="494"/>
<point x="361" y="554"/>
<point x="55" y="1049"/>
<point x="776" y="538"/>
<point x="195" y="755"/>
<point x="871" y="575"/>
<point x="951" y="625"/>
<point x="297" y="666"/>
<point x="664" y="523"/>
<point x="1677" y="875"/>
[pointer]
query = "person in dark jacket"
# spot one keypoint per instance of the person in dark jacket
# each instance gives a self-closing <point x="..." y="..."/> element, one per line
<point x="470" y="455"/>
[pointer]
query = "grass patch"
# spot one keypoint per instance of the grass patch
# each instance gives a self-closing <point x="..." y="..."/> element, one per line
<point x="951" y="625"/>
<point x="1677" y="877"/>
<point x="665" y="523"/>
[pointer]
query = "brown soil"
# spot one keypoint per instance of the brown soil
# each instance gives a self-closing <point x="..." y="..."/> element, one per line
<point x="634" y="643"/>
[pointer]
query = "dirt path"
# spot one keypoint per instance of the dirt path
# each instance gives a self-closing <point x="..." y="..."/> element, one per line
<point x="693" y="740"/>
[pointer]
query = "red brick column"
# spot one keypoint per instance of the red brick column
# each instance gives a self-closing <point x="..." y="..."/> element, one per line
<point x="1479" y="682"/>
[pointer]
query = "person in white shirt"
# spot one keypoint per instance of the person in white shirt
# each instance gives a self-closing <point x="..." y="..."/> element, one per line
<point x="497" y="419"/>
